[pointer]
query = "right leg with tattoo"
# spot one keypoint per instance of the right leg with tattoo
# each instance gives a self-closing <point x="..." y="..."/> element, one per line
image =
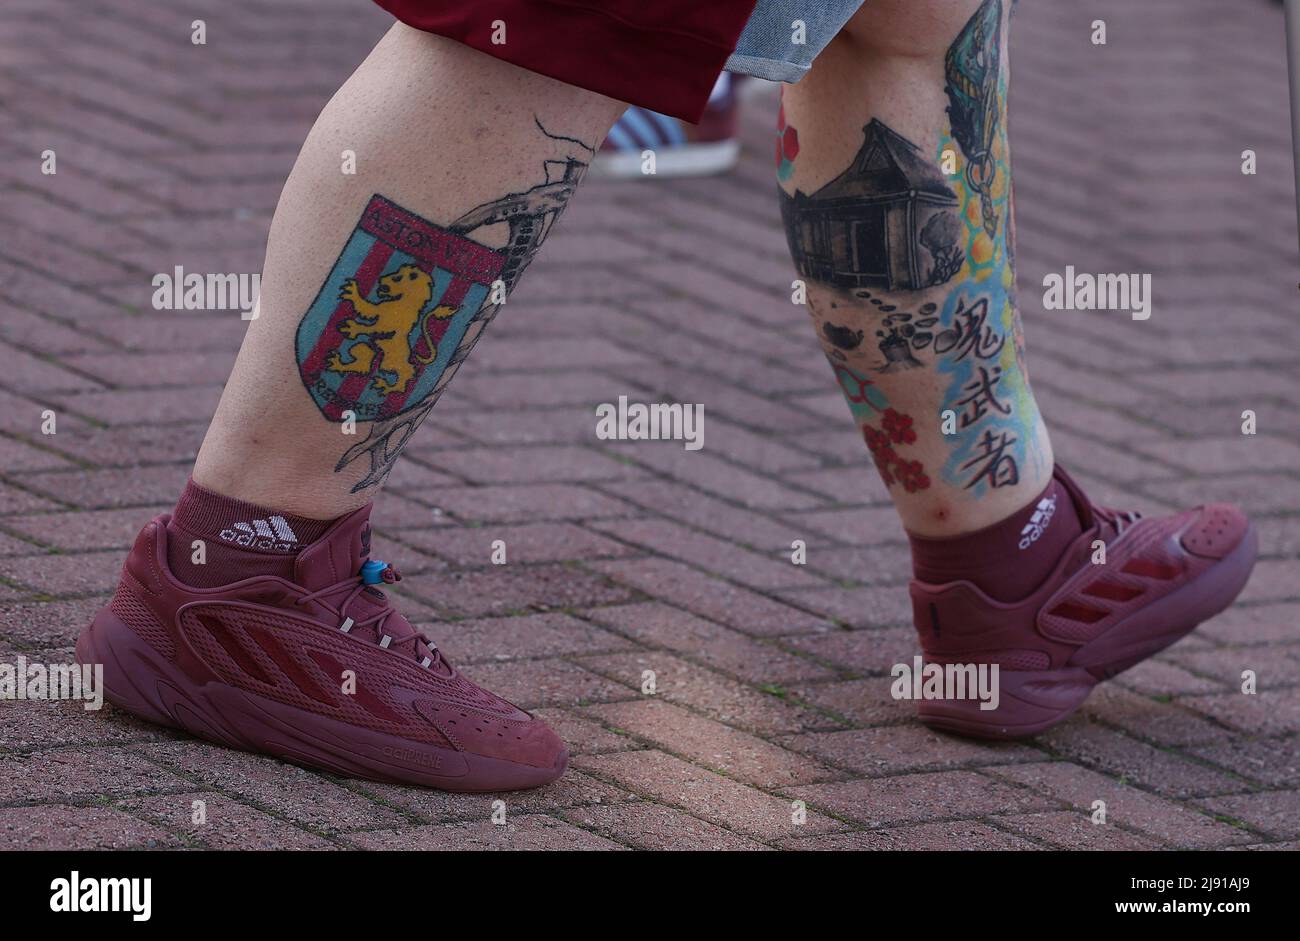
<point x="899" y="210"/>
<point x="253" y="615"/>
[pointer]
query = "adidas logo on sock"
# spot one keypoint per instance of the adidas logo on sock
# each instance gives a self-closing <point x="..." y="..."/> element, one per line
<point x="273" y="534"/>
<point x="1038" y="523"/>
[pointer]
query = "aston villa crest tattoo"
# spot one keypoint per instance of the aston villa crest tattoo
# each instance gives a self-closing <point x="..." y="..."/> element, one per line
<point x="390" y="313"/>
<point x="407" y="299"/>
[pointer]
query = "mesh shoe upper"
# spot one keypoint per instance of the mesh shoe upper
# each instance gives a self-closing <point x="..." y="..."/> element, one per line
<point x="325" y="642"/>
<point x="1145" y="559"/>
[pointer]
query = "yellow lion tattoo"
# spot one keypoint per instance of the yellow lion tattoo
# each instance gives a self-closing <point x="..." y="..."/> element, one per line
<point x="384" y="328"/>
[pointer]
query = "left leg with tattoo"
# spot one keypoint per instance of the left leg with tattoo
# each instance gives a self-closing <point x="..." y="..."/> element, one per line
<point x="897" y="203"/>
<point x="254" y="614"/>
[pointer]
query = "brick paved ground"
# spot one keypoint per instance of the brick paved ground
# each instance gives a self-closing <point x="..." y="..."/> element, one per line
<point x="642" y="557"/>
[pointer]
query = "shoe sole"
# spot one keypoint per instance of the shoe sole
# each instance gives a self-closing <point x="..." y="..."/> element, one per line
<point x="1032" y="701"/>
<point x="138" y="680"/>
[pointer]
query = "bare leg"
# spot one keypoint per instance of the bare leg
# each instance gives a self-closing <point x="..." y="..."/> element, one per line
<point x="470" y="155"/>
<point x="898" y="210"/>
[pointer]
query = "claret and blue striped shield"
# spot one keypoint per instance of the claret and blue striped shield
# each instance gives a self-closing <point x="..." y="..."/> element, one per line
<point x="391" y="313"/>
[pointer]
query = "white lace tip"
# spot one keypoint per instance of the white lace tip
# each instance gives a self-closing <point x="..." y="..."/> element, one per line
<point x="346" y="625"/>
<point x="425" y="662"/>
<point x="386" y="641"/>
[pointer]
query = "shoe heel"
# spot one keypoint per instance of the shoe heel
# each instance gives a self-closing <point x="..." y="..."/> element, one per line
<point x="1029" y="701"/>
<point x="108" y="640"/>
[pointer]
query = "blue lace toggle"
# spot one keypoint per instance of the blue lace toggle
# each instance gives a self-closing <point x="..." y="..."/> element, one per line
<point x="372" y="572"/>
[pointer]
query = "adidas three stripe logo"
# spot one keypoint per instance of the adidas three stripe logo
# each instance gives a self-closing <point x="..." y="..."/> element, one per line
<point x="274" y="534"/>
<point x="1043" y="514"/>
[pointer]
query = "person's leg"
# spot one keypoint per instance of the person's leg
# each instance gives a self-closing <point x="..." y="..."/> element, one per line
<point x="896" y="196"/>
<point x="897" y="208"/>
<point x="253" y="615"/>
<point x="478" y="148"/>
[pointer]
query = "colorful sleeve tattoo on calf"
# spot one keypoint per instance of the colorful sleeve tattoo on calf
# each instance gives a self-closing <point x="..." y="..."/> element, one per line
<point x="927" y="255"/>
<point x="406" y="301"/>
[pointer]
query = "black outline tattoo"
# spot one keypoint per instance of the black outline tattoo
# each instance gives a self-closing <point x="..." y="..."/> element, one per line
<point x="875" y="224"/>
<point x="971" y="67"/>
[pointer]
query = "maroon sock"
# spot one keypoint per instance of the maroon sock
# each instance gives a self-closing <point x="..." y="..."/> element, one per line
<point x="239" y="539"/>
<point x="1007" y="560"/>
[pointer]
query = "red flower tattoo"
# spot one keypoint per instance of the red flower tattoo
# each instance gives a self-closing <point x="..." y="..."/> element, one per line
<point x="898" y="426"/>
<point x="893" y="468"/>
<point x="911" y="475"/>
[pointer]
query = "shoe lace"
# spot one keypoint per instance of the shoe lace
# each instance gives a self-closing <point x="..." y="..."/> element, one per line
<point x="1116" y="520"/>
<point x="420" y="646"/>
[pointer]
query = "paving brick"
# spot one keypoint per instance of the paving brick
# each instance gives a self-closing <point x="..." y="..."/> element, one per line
<point x="79" y="774"/>
<point x="1071" y="830"/>
<point x="532" y="683"/>
<point x="704" y="794"/>
<point x="573" y="789"/>
<point x="528" y="832"/>
<point x="711" y="644"/>
<point x="47" y="623"/>
<point x="222" y="823"/>
<point x="34" y="725"/>
<point x="1164" y="772"/>
<point x="60" y="827"/>
<point x="1256" y="624"/>
<point x="78" y="573"/>
<point x="861" y="651"/>
<point x="301" y="796"/>
<point x="646" y="825"/>
<point x="107" y="489"/>
<point x="763" y="709"/>
<point x="506" y="589"/>
<point x="912" y="798"/>
<point x="1273" y="762"/>
<point x="1168" y="724"/>
<point x="744" y="526"/>
<point x="711" y="744"/>
<point x="528" y="465"/>
<point x="948" y="835"/>
<point x="861" y="702"/>
<point x="123" y="407"/>
<point x="713" y="555"/>
<point x="505" y="504"/>
<point x="746" y="611"/>
<point x="895" y="749"/>
<point x="1171" y="822"/>
<point x="582" y="735"/>
<point x="1268" y="712"/>
<point x="1276" y="814"/>
<point x="102" y="529"/>
<point x="529" y="543"/>
<point x="535" y="635"/>
<point x="873" y="607"/>
<point x="17" y="457"/>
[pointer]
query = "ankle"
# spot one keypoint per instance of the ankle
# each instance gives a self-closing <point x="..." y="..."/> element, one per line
<point x="1008" y="559"/>
<point x="214" y="539"/>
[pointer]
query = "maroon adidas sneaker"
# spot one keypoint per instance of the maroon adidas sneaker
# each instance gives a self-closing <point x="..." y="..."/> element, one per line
<point x="319" y="670"/>
<point x="1089" y="620"/>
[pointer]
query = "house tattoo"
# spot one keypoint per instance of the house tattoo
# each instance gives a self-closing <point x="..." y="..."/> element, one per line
<point x="886" y="222"/>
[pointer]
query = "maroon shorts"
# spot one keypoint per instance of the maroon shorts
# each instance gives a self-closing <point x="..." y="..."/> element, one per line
<point x="664" y="55"/>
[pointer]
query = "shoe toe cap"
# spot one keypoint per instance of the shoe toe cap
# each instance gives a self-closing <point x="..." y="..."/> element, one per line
<point x="1216" y="531"/>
